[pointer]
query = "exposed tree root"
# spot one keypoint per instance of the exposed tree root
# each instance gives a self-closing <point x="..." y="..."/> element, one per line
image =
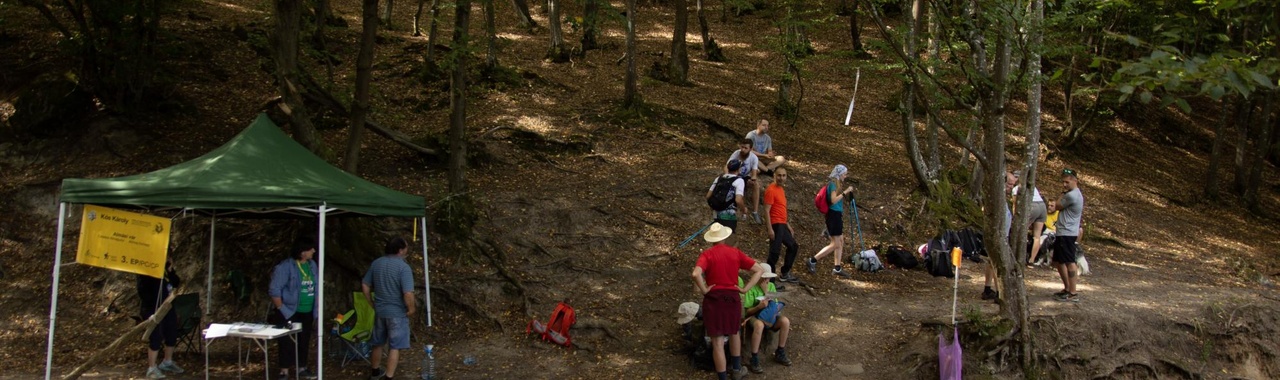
<point x="497" y="262"/>
<point x="452" y="295"/>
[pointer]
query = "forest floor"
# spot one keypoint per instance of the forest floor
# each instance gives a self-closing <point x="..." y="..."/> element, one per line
<point x="1180" y="287"/>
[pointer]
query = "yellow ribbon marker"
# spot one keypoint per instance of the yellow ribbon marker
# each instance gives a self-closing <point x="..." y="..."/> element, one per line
<point x="955" y="257"/>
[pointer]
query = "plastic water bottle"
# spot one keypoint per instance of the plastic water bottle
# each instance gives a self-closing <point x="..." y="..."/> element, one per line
<point x="429" y="364"/>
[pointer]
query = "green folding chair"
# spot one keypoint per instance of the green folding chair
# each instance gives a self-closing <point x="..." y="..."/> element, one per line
<point x="187" y="308"/>
<point x="356" y="340"/>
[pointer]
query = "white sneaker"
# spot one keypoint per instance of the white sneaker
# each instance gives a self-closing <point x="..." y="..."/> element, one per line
<point x="170" y="367"/>
<point x="154" y="373"/>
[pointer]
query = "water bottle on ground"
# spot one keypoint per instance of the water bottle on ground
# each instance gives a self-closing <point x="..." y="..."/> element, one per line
<point x="429" y="364"/>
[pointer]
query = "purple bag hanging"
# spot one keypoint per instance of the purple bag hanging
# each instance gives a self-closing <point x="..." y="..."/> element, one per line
<point x="949" y="356"/>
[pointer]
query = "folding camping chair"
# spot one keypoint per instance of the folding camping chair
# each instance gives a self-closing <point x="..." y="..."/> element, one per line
<point x="356" y="340"/>
<point x="187" y="308"/>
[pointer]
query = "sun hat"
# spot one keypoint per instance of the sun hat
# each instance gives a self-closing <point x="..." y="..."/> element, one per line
<point x="768" y="271"/>
<point x="716" y="233"/>
<point x="686" y="313"/>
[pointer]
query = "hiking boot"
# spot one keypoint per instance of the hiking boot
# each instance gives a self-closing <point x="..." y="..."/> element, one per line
<point x="306" y="374"/>
<point x="779" y="286"/>
<point x="789" y="278"/>
<point x="780" y="356"/>
<point x="841" y="273"/>
<point x="170" y="367"/>
<point x="756" y="215"/>
<point x="811" y="265"/>
<point x="989" y="294"/>
<point x="378" y="373"/>
<point x="754" y="365"/>
<point x="154" y="373"/>
<point x="738" y="374"/>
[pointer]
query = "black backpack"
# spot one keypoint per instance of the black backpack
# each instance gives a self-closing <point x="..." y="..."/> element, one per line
<point x="722" y="195"/>
<point x="938" y="259"/>
<point x="900" y="257"/>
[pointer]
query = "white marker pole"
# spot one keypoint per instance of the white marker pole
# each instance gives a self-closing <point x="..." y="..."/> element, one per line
<point x="849" y="116"/>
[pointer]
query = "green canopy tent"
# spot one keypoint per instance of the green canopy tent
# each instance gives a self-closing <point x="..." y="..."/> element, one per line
<point x="259" y="173"/>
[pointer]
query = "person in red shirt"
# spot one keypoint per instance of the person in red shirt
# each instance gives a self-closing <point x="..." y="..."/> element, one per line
<point x="780" y="232"/>
<point x="716" y="278"/>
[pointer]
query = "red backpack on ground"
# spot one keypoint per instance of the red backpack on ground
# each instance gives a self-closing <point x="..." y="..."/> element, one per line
<point x="557" y="328"/>
<point x="820" y="200"/>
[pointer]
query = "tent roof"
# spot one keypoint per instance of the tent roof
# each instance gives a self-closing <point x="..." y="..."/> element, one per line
<point x="260" y="171"/>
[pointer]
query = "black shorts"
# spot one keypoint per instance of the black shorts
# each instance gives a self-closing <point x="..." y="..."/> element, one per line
<point x="732" y="224"/>
<point x="835" y="223"/>
<point x="1064" y="249"/>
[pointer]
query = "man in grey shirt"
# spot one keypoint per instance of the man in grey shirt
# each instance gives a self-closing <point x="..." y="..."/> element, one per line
<point x="762" y="145"/>
<point x="391" y="281"/>
<point x="1071" y="208"/>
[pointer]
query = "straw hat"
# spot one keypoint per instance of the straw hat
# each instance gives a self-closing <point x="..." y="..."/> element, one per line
<point x="768" y="271"/>
<point x="687" y="312"/>
<point x="716" y="233"/>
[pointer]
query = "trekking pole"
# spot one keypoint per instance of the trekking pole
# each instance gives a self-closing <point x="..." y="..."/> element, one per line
<point x="695" y="234"/>
<point x="857" y="222"/>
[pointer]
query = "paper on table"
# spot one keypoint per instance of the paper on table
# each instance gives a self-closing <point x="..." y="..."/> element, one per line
<point x="216" y="331"/>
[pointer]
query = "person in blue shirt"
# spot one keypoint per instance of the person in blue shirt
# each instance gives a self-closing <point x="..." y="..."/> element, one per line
<point x="293" y="296"/>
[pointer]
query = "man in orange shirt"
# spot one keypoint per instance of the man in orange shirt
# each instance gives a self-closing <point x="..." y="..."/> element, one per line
<point x="780" y="232"/>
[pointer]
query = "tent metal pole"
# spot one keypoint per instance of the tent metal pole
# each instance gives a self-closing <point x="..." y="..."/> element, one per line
<point x="324" y="208"/>
<point x="208" y="286"/>
<point x="53" y="298"/>
<point x="426" y="270"/>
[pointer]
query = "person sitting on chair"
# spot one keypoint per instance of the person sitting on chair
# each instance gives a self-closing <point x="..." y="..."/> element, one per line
<point x="761" y="312"/>
<point x="152" y="292"/>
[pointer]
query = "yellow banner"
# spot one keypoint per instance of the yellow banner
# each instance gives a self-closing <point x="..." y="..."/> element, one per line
<point x="123" y="241"/>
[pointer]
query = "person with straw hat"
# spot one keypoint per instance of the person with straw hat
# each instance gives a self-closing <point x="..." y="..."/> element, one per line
<point x="716" y="277"/>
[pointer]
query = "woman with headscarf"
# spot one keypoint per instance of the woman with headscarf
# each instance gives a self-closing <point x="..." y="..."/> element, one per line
<point x="293" y="294"/>
<point x="835" y="222"/>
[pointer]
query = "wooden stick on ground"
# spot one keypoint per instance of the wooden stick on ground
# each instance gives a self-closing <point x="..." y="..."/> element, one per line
<point x="147" y="325"/>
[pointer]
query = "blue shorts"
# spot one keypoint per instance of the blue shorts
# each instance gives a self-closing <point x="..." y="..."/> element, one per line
<point x="391" y="330"/>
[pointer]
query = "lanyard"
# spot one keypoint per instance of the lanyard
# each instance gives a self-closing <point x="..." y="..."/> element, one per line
<point x="305" y="276"/>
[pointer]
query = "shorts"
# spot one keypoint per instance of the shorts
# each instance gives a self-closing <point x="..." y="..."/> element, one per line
<point x="722" y="312"/>
<point x="1038" y="212"/>
<point x="1064" y="249"/>
<point x="835" y="223"/>
<point x="394" y="330"/>
<point x="731" y="223"/>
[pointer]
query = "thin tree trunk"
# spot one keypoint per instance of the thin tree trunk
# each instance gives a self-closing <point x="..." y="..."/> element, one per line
<point x="710" y="49"/>
<point x="434" y="27"/>
<point x="1244" y="118"/>
<point x="556" y="53"/>
<point x="1029" y="174"/>
<point x="458" y="102"/>
<point x="679" y="46"/>
<point x="908" y="99"/>
<point x="322" y="23"/>
<point x="1215" y="153"/>
<point x="630" y="95"/>
<point x="417" y="19"/>
<point x="931" y="125"/>
<point x="590" y="21"/>
<point x="491" y="51"/>
<point x="855" y="30"/>
<point x="288" y="15"/>
<point x="1251" y="199"/>
<point x="364" y="75"/>
<point x="386" y="13"/>
<point x="521" y="7"/>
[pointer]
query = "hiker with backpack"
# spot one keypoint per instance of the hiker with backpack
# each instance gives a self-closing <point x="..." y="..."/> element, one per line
<point x="1071" y="209"/>
<point x="725" y="195"/>
<point x="761" y="312"/>
<point x="715" y="277"/>
<point x="749" y="171"/>
<point x="834" y="211"/>
<point x="780" y="231"/>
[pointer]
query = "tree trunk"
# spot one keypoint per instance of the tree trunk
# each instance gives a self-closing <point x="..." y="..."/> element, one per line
<point x="908" y="99"/>
<point x="855" y="31"/>
<point x="386" y="13"/>
<point x="1215" y="153"/>
<point x="432" y="29"/>
<point x="288" y="15"/>
<point x="458" y="102"/>
<point x="931" y="125"/>
<point x="557" y="53"/>
<point x="491" y="50"/>
<point x="322" y="23"/>
<point x="1251" y="199"/>
<point x="679" y="47"/>
<point x="1029" y="174"/>
<point x="364" y="74"/>
<point x="521" y="7"/>
<point x="1244" y="118"/>
<point x="630" y="96"/>
<point x="590" y="21"/>
<point x="417" y="19"/>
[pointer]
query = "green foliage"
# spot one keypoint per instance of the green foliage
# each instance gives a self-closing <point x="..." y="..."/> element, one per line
<point x="950" y="206"/>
